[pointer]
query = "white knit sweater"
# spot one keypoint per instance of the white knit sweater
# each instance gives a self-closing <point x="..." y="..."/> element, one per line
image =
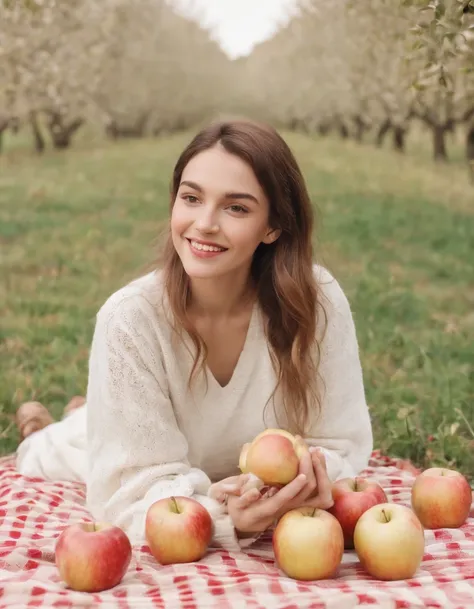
<point x="148" y="436"/>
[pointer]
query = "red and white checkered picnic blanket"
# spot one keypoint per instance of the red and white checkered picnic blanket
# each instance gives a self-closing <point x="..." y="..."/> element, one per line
<point x="34" y="512"/>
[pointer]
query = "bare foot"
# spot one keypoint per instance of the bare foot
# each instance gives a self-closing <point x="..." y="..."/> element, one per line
<point x="31" y="417"/>
<point x="76" y="402"/>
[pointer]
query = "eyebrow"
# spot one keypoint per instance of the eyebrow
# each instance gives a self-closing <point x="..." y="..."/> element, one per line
<point x="227" y="195"/>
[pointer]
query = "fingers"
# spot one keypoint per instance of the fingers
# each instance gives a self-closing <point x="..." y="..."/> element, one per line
<point x="323" y="498"/>
<point x="251" y="496"/>
<point x="232" y="485"/>
<point x="316" y="451"/>
<point x="270" y="492"/>
<point x="283" y="496"/>
<point x="251" y="481"/>
<point x="247" y="499"/>
<point x="307" y="468"/>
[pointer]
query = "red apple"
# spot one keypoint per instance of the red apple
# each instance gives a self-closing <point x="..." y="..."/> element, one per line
<point x="273" y="456"/>
<point x="92" y="557"/>
<point x="308" y="543"/>
<point x="352" y="497"/>
<point x="178" y="529"/>
<point x="389" y="541"/>
<point x="441" y="498"/>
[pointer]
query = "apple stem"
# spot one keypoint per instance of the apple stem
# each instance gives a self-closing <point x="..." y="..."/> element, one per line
<point x="385" y="516"/>
<point x="314" y="512"/>
<point x="176" y="508"/>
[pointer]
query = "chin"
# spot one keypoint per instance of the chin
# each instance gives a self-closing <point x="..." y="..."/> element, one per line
<point x="194" y="272"/>
<point x="201" y="270"/>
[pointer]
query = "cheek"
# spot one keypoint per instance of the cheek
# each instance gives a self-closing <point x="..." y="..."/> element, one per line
<point x="248" y="234"/>
<point x="179" y="220"/>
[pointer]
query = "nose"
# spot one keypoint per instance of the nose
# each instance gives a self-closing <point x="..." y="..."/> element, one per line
<point x="207" y="222"/>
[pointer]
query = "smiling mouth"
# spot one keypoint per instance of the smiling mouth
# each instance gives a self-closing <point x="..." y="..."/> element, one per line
<point x="204" y="247"/>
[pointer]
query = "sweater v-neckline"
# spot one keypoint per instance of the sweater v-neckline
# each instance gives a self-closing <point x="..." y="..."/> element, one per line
<point x="244" y="359"/>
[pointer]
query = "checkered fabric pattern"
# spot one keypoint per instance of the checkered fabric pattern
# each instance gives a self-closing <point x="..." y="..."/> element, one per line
<point x="34" y="512"/>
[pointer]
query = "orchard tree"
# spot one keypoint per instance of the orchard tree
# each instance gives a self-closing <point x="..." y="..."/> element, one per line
<point x="50" y="53"/>
<point x="160" y="71"/>
<point x="137" y="67"/>
<point x="442" y="54"/>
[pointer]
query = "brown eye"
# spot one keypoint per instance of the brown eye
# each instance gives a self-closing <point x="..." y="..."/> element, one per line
<point x="238" y="209"/>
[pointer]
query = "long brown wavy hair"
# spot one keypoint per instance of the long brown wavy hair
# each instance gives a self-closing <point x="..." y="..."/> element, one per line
<point x="282" y="272"/>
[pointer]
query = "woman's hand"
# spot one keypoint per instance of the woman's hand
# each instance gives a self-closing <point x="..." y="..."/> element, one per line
<point x="254" y="508"/>
<point x="233" y="485"/>
<point x="318" y="491"/>
<point x="253" y="512"/>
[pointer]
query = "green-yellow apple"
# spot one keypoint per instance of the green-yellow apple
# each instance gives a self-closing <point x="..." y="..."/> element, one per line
<point x="389" y="541"/>
<point x="441" y="498"/>
<point x="352" y="497"/>
<point x="92" y="557"/>
<point x="178" y="530"/>
<point x="273" y="456"/>
<point x="308" y="543"/>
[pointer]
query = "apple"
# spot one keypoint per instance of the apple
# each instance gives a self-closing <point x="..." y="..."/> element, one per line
<point x="308" y="543"/>
<point x="352" y="497"/>
<point x="273" y="456"/>
<point x="441" y="498"/>
<point x="92" y="557"/>
<point x="389" y="541"/>
<point x="178" y="530"/>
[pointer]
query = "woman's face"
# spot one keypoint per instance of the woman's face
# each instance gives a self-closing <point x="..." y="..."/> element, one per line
<point x="220" y="215"/>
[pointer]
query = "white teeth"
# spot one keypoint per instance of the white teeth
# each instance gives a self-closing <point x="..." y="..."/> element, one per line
<point x="206" y="248"/>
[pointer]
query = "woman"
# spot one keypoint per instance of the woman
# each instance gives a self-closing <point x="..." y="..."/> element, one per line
<point x="237" y="332"/>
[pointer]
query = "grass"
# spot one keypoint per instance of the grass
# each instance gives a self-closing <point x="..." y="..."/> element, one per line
<point x="398" y="232"/>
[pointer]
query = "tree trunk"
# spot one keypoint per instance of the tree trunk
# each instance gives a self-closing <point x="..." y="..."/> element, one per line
<point x="37" y="135"/>
<point x="3" y="128"/>
<point x="360" y="129"/>
<point x="440" y="153"/>
<point x="382" y="132"/>
<point x="111" y="130"/>
<point x="343" y="130"/>
<point x="61" y="133"/>
<point x="138" y="130"/>
<point x="324" y="128"/>
<point x="5" y="124"/>
<point x="470" y="151"/>
<point x="399" y="134"/>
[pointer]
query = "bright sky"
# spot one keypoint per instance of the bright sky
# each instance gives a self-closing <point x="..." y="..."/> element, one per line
<point x="239" y="24"/>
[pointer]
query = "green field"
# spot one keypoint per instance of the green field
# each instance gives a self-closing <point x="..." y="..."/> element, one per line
<point x="398" y="232"/>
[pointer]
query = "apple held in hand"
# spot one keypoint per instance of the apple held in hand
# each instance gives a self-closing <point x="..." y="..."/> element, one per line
<point x="352" y="497"/>
<point x="273" y="456"/>
<point x="92" y="557"/>
<point x="178" y="530"/>
<point x="441" y="498"/>
<point x="389" y="541"/>
<point x="308" y="543"/>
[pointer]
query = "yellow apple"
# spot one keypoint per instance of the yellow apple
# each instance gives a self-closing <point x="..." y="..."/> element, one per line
<point x="308" y="543"/>
<point x="273" y="456"/>
<point x="389" y="541"/>
<point x="441" y="498"/>
<point x="178" y="530"/>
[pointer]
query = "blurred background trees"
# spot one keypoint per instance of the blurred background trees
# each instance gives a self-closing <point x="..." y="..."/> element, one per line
<point x="136" y="68"/>
<point x="365" y="69"/>
<point x="368" y="68"/>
